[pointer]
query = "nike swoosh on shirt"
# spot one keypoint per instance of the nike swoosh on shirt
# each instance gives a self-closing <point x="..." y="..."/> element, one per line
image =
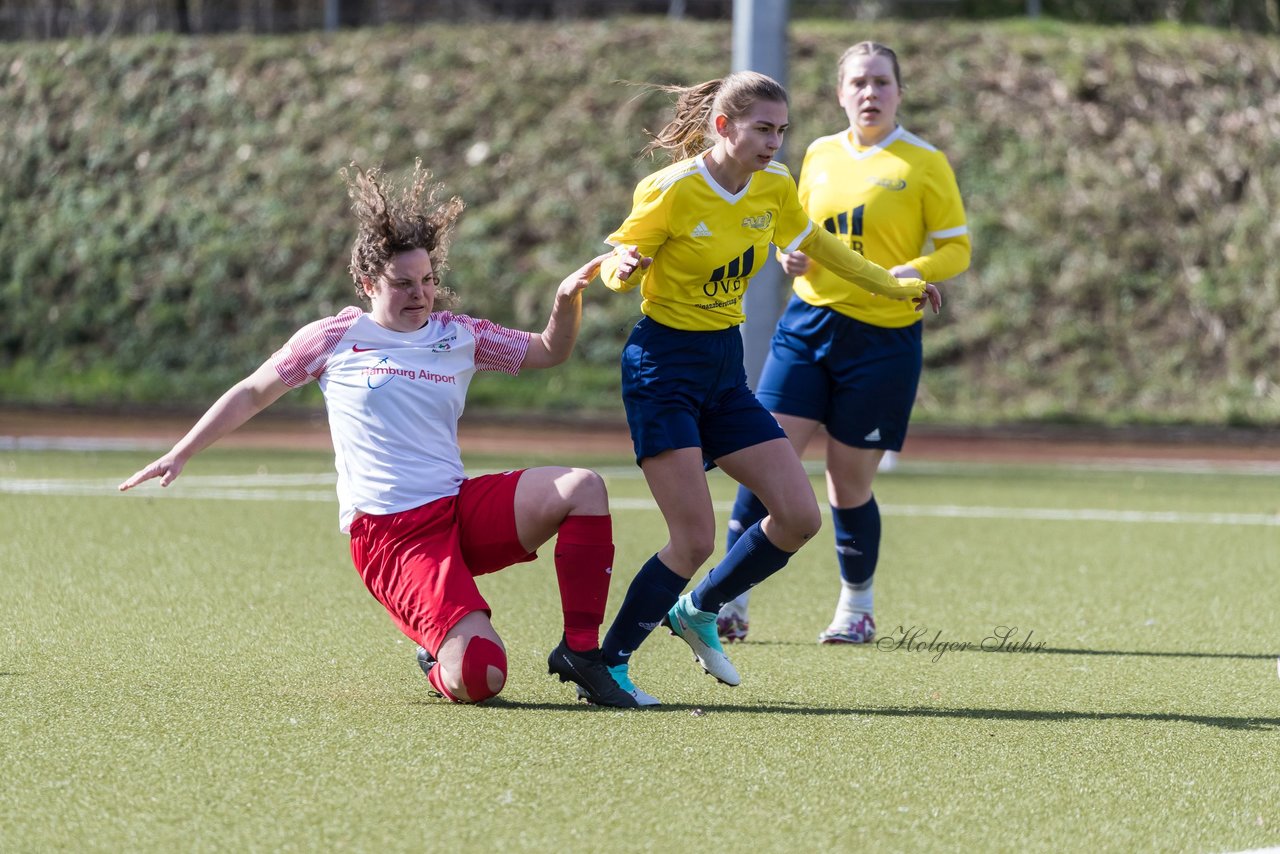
<point x="356" y="349"/>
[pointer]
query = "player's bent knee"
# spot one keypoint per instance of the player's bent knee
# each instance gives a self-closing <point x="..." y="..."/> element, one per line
<point x="812" y="525"/>
<point x="484" y="669"/>
<point x="482" y="674"/>
<point x="802" y="522"/>
<point x="587" y="490"/>
<point x="693" y="553"/>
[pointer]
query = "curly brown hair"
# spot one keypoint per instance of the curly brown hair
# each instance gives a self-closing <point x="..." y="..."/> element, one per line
<point x="696" y="106"/>
<point x="395" y="216"/>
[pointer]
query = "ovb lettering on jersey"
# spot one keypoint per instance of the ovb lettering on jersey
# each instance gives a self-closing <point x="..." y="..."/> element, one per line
<point x="847" y="224"/>
<point x="732" y="277"/>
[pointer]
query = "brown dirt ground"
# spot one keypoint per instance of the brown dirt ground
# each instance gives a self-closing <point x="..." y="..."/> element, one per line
<point x="481" y="434"/>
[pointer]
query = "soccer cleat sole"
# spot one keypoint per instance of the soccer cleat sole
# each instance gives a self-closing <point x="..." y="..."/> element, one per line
<point x="643" y="700"/>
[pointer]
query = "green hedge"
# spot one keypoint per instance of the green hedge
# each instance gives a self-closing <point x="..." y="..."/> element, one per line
<point x="171" y="209"/>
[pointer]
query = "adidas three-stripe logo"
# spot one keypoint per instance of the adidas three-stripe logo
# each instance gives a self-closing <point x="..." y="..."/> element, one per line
<point x="701" y="230"/>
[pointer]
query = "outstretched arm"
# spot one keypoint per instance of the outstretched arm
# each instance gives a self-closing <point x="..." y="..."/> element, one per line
<point x="553" y="345"/>
<point x="241" y="402"/>
<point x="797" y="264"/>
<point x="625" y="268"/>
<point x="830" y="252"/>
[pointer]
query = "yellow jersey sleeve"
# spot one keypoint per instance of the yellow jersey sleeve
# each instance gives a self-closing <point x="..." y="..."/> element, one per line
<point x="835" y="256"/>
<point x="944" y="223"/>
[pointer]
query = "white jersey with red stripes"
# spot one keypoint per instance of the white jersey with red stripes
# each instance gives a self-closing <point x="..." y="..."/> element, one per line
<point x="394" y="400"/>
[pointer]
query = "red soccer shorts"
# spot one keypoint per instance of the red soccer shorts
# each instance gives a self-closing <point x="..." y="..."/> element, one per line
<point x="421" y="563"/>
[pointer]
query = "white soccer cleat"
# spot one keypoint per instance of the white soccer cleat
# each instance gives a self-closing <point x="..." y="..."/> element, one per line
<point x="860" y="629"/>
<point x="732" y="623"/>
<point x="698" y="630"/>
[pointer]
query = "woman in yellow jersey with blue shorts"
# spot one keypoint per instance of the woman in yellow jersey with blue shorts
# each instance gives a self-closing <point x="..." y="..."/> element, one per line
<point x="697" y="232"/>
<point x="844" y="359"/>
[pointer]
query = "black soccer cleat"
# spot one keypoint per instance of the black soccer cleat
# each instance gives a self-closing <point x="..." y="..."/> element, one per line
<point x="587" y="671"/>
<point x="425" y="660"/>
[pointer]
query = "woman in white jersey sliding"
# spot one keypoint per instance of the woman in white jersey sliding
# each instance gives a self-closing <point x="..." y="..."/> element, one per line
<point x="394" y="378"/>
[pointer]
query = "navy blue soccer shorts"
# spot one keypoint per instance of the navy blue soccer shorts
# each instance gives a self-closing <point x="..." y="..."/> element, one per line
<point x="857" y="379"/>
<point x="684" y="389"/>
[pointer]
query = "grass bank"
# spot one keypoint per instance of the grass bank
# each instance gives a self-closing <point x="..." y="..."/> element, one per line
<point x="172" y="211"/>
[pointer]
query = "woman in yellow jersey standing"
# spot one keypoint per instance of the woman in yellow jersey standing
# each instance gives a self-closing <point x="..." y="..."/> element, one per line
<point x="696" y="234"/>
<point x="841" y="357"/>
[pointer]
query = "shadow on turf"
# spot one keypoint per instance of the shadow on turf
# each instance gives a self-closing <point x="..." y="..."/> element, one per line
<point x="1158" y="654"/>
<point x="1261" y="724"/>
<point x="1049" y="650"/>
<point x="1028" y="715"/>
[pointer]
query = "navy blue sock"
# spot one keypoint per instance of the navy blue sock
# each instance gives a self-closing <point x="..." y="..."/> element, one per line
<point x="751" y="560"/>
<point x="652" y="593"/>
<point x="747" y="510"/>
<point x="857" y="532"/>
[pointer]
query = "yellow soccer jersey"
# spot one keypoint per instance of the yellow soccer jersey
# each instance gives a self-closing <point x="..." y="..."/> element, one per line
<point x="885" y="201"/>
<point x="706" y="243"/>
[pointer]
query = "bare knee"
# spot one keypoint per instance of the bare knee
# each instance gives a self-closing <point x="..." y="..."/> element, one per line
<point x="793" y="526"/>
<point x="685" y="554"/>
<point x="811" y="521"/>
<point x="585" y="491"/>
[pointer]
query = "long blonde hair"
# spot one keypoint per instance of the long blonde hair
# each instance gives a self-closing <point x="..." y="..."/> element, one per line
<point x="696" y="106"/>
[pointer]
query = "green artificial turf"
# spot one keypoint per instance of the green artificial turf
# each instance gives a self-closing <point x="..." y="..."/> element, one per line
<point x="199" y="668"/>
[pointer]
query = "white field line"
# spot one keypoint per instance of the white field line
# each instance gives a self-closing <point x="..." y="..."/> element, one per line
<point x="1100" y="464"/>
<point x="293" y="488"/>
<point x="1268" y="468"/>
<point x="81" y="443"/>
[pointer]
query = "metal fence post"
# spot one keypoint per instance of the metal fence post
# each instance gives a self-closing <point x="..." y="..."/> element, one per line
<point x="760" y="44"/>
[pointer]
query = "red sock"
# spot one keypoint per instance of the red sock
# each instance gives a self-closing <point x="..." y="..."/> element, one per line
<point x="584" y="561"/>
<point x="437" y="682"/>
